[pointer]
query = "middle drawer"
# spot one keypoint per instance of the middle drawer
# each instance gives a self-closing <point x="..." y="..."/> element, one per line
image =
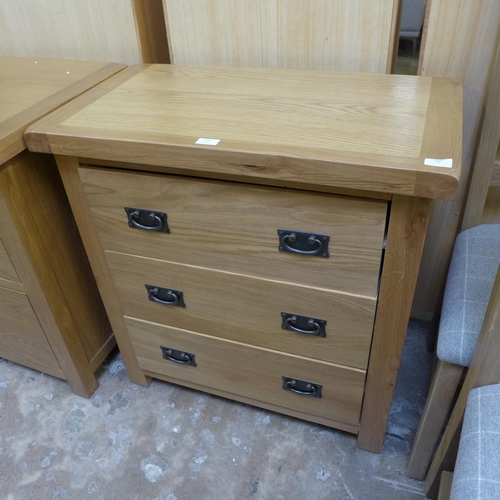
<point x="246" y="309"/>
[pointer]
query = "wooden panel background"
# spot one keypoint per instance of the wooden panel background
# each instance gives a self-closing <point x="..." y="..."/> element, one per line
<point x="126" y="31"/>
<point x="460" y="41"/>
<point x="342" y="35"/>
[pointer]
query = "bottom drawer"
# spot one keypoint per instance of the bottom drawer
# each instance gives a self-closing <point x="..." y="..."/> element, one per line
<point x="22" y="339"/>
<point x="250" y="371"/>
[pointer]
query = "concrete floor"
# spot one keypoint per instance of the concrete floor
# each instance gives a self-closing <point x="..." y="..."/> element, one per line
<point x="171" y="443"/>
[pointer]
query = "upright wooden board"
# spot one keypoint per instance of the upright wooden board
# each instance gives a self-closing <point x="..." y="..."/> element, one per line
<point x="127" y="31"/>
<point x="340" y="35"/>
<point x="461" y="38"/>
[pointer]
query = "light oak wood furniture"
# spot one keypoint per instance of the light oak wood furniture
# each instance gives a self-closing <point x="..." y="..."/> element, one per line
<point x="51" y="315"/>
<point x="463" y="314"/>
<point x="295" y="200"/>
<point x="125" y="31"/>
<point x="483" y="202"/>
<point x="340" y="35"/>
<point x="460" y="40"/>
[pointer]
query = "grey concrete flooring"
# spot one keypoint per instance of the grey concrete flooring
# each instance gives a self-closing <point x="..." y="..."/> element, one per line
<point x="171" y="443"/>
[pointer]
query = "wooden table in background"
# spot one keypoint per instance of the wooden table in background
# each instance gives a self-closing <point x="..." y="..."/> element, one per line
<point x="318" y="154"/>
<point x="51" y="315"/>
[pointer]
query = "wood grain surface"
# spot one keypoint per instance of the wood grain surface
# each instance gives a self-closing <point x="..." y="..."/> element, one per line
<point x="405" y="241"/>
<point x="461" y="41"/>
<point x="91" y="30"/>
<point x="7" y="271"/>
<point x="233" y="227"/>
<point x="69" y="173"/>
<point x="249" y="371"/>
<point x="32" y="87"/>
<point x="485" y="173"/>
<point x="348" y="130"/>
<point x="21" y="337"/>
<point x="246" y="309"/>
<point x="345" y="35"/>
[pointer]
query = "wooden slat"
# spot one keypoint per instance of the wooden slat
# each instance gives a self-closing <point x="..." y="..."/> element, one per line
<point x="441" y="394"/>
<point x="495" y="175"/>
<point x="445" y="485"/>
<point x="151" y="30"/>
<point x="249" y="371"/>
<point x="68" y="170"/>
<point x="484" y="164"/>
<point x="484" y="370"/>
<point x="461" y="38"/>
<point x="246" y="309"/>
<point x="233" y="227"/>
<point x="406" y="235"/>
<point x="21" y="337"/>
<point x="491" y="210"/>
<point x="345" y="35"/>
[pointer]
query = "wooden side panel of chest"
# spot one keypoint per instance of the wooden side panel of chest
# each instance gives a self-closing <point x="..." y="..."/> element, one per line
<point x="22" y="339"/>
<point x="8" y="274"/>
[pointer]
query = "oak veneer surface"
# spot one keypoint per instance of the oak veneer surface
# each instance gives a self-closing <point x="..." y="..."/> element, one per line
<point x="22" y="339"/>
<point x="7" y="271"/>
<point x="233" y="227"/>
<point x="350" y="130"/>
<point x="340" y="35"/>
<point x="93" y="30"/>
<point x="41" y="252"/>
<point x="32" y="87"/>
<point x="246" y="309"/>
<point x="250" y="371"/>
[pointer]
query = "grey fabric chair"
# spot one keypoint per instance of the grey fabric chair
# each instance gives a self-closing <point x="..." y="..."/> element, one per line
<point x="477" y="470"/>
<point x="412" y="20"/>
<point x="473" y="268"/>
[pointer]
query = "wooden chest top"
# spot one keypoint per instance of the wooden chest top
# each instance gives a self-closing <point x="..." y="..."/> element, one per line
<point x="349" y="130"/>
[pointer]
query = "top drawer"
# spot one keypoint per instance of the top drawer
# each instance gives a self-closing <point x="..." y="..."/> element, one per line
<point x="234" y="227"/>
<point x="7" y="271"/>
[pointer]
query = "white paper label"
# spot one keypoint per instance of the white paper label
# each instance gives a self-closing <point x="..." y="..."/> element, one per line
<point x="207" y="142"/>
<point x="434" y="162"/>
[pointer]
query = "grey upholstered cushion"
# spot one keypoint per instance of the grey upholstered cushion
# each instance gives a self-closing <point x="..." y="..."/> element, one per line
<point x="477" y="471"/>
<point x="473" y="269"/>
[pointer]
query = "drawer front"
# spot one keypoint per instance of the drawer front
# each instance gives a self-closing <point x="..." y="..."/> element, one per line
<point x="248" y="371"/>
<point x="22" y="339"/>
<point x="7" y="271"/>
<point x="246" y="309"/>
<point x="234" y="227"/>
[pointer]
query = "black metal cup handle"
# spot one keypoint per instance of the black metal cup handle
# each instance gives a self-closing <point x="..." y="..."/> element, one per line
<point x="289" y="322"/>
<point x="174" y="302"/>
<point x="185" y="361"/>
<point x="290" y="385"/>
<point x="152" y="216"/>
<point x="312" y="241"/>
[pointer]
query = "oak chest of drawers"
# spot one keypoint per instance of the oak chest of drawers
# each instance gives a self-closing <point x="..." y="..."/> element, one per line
<point x="51" y="315"/>
<point x="257" y="233"/>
